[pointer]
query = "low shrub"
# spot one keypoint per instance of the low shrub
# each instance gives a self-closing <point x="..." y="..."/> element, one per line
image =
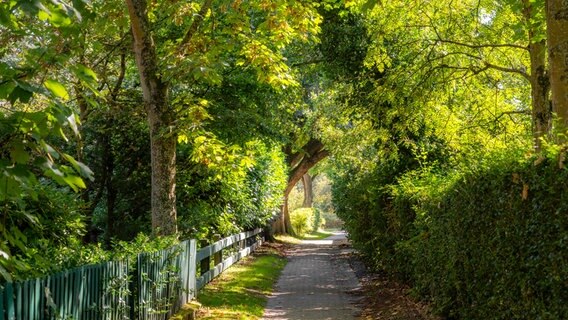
<point x="302" y="220"/>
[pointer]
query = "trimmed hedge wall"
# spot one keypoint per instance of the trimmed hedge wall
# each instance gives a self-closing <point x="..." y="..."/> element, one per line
<point x="488" y="243"/>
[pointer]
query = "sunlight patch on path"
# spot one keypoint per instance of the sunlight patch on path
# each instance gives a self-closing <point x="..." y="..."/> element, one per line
<point x="315" y="284"/>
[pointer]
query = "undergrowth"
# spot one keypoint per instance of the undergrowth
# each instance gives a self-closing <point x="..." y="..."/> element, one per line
<point x="241" y="291"/>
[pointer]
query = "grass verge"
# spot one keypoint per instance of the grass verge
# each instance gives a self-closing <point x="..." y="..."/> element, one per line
<point x="321" y="234"/>
<point x="241" y="291"/>
<point x="318" y="235"/>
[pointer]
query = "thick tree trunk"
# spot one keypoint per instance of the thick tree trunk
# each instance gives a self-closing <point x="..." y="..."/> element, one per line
<point x="540" y="84"/>
<point x="160" y="119"/>
<point x="163" y="155"/>
<point x="557" y="35"/>
<point x="308" y="191"/>
<point x="541" y="113"/>
<point x="312" y="153"/>
<point x="277" y="226"/>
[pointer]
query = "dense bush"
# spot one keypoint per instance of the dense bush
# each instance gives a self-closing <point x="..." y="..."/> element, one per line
<point x="43" y="234"/>
<point x="364" y="203"/>
<point x="487" y="241"/>
<point x="319" y="220"/>
<point x="223" y="190"/>
<point x="48" y="219"/>
<point x="302" y="220"/>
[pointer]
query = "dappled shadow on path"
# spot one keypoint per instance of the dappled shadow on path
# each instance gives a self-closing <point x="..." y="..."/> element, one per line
<point x="316" y="283"/>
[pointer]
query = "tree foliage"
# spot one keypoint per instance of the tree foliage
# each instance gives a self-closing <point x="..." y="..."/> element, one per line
<point x="448" y="192"/>
<point x="198" y="118"/>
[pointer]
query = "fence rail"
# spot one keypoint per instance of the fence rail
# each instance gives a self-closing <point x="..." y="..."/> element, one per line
<point x="154" y="287"/>
<point x="215" y="250"/>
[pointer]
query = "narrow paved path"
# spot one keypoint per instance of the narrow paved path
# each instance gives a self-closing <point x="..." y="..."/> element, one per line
<point x="316" y="283"/>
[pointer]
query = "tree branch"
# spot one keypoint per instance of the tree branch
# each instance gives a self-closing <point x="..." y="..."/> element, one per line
<point x="487" y="65"/>
<point x="118" y="84"/>
<point x="509" y="113"/>
<point x="310" y="148"/>
<point x="304" y="63"/>
<point x="481" y="46"/>
<point x="303" y="167"/>
<point x="511" y="70"/>
<point x="195" y="24"/>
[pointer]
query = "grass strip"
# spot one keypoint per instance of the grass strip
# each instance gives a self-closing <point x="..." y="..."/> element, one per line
<point x="241" y="291"/>
<point x="318" y="235"/>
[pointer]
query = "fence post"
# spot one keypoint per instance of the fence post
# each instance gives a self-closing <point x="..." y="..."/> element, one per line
<point x="265" y="234"/>
<point x="192" y="269"/>
<point x="218" y="256"/>
<point x="206" y="262"/>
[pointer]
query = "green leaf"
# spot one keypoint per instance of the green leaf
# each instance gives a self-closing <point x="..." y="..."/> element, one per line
<point x="80" y="167"/>
<point x="6" y="89"/>
<point x="4" y="273"/>
<point x="9" y="188"/>
<point x="57" y="89"/>
<point x="43" y="16"/>
<point x="59" y="18"/>
<point x="84" y="73"/>
<point x="18" y="154"/>
<point x="6" y="17"/>
<point x="87" y="77"/>
<point x="75" y="182"/>
<point x="49" y="149"/>
<point x="21" y="94"/>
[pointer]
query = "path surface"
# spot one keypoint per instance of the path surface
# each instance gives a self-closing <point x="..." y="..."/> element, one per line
<point x="316" y="283"/>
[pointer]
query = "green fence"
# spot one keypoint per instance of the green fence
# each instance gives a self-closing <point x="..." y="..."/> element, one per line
<point x="154" y="287"/>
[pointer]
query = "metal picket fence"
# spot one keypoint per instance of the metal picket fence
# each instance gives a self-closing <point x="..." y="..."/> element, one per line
<point x="153" y="288"/>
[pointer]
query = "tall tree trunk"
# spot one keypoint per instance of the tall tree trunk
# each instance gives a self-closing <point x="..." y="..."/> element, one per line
<point x="160" y="118"/>
<point x="540" y="84"/>
<point x="163" y="156"/>
<point x="557" y="35"/>
<point x="540" y="87"/>
<point x="277" y="225"/>
<point x="308" y="191"/>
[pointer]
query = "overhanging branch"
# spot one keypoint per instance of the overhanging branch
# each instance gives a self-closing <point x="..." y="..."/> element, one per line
<point x="482" y="45"/>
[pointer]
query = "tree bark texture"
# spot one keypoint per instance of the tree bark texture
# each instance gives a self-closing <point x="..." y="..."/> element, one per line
<point x="160" y="119"/>
<point x="541" y="114"/>
<point x="540" y="88"/>
<point x="557" y="37"/>
<point x="308" y="191"/>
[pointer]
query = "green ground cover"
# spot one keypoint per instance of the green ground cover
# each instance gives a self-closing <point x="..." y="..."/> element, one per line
<point x="288" y="239"/>
<point x="241" y="292"/>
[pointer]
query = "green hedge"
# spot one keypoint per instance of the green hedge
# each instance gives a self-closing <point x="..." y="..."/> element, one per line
<point x="484" y="243"/>
<point x="496" y="245"/>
